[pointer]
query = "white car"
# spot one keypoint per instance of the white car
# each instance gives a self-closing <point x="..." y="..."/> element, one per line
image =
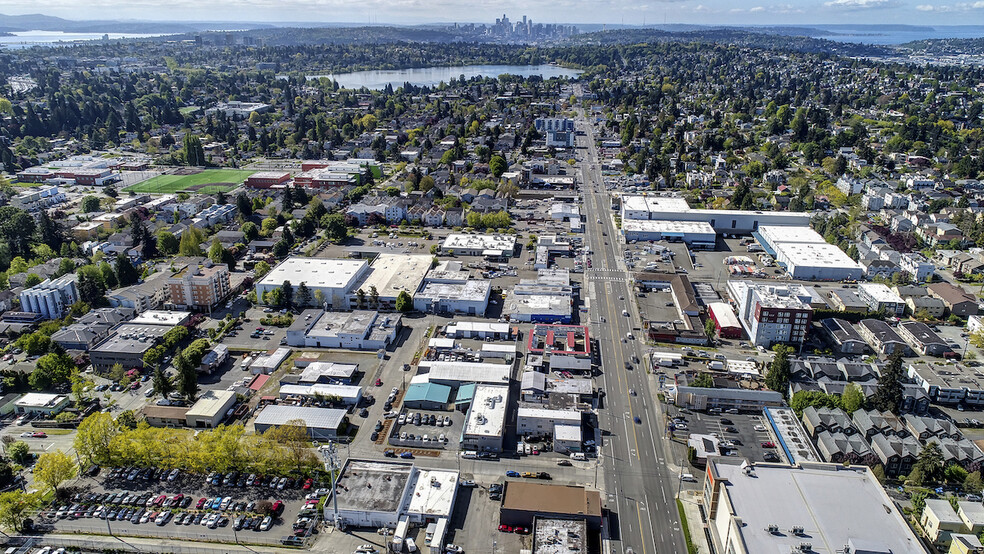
<point x="266" y="523"/>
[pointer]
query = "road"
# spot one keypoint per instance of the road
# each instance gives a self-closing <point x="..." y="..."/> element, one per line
<point x="641" y="487"/>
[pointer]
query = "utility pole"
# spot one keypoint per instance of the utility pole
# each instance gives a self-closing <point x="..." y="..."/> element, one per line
<point x="334" y="468"/>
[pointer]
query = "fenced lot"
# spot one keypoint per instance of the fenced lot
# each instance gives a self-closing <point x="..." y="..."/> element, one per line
<point x="206" y="181"/>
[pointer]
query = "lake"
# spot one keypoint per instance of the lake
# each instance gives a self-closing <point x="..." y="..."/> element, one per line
<point x="433" y="76"/>
<point x="27" y="39"/>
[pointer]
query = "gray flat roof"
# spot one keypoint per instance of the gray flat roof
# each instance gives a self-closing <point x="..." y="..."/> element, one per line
<point x="372" y="486"/>
<point x="314" y="418"/>
<point x="836" y="506"/>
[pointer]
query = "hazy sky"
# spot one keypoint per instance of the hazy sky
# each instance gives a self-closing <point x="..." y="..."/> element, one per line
<point x="547" y="11"/>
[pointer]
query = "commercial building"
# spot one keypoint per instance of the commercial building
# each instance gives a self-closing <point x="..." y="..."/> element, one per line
<point x="806" y="255"/>
<point x="199" y="288"/>
<point x="772" y="314"/>
<point x="753" y="508"/>
<point x="327" y="178"/>
<point x="666" y="208"/>
<point x="389" y="275"/>
<point x="544" y="422"/>
<point x="478" y="330"/>
<point x="698" y="234"/>
<point x="321" y="424"/>
<point x="427" y="396"/>
<point x="922" y="339"/>
<point x="882" y="337"/>
<point x="326" y="373"/>
<point x="267" y="179"/>
<point x="555" y="536"/>
<point x="880" y="298"/>
<point x="448" y="289"/>
<point x="165" y="416"/>
<point x="126" y="346"/>
<point x="210" y="409"/>
<point x="356" y="330"/>
<point x="214" y="358"/>
<point x="328" y="280"/>
<point x="348" y="395"/>
<point x="377" y="494"/>
<point x="265" y="364"/>
<point x="562" y="346"/>
<point x="744" y="400"/>
<point x="51" y="297"/>
<point x="485" y="422"/>
<point x="489" y="246"/>
<point x="522" y="501"/>
<point x="40" y="403"/>
<point x="457" y="373"/>
<point x="725" y="321"/>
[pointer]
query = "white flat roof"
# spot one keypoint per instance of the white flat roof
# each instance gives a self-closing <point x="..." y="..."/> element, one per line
<point x="468" y="372"/>
<point x="484" y="242"/>
<point x="336" y="370"/>
<point x="880" y="292"/>
<point x="567" y="432"/>
<point x="313" y="418"/>
<point x="210" y="403"/>
<point x="161" y="317"/>
<point x="667" y="226"/>
<point x="392" y="273"/>
<point x="476" y="326"/>
<point x="776" y="234"/>
<point x="487" y="415"/>
<point x="432" y="492"/>
<point x="343" y="391"/>
<point x="39" y="400"/>
<point x="557" y="416"/>
<point x="809" y="254"/>
<point x="836" y="506"/>
<point x="316" y="272"/>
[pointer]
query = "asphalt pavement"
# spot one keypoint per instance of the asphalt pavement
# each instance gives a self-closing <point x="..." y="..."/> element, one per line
<point x="640" y="485"/>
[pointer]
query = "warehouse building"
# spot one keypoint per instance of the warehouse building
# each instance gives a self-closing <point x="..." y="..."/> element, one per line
<point x="325" y="278"/>
<point x="331" y="373"/>
<point x="666" y="208"/>
<point x="427" y="396"/>
<point x="348" y="395"/>
<point x="485" y="422"/>
<point x="522" y="501"/>
<point x="725" y="320"/>
<point x="321" y="424"/>
<point x="210" y="409"/>
<point x="806" y="255"/>
<point x="356" y="330"/>
<point x="126" y="346"/>
<point x="389" y="275"/>
<point x="478" y="330"/>
<point x="376" y="494"/>
<point x="698" y="234"/>
<point x="453" y="296"/>
<point x="457" y="373"/>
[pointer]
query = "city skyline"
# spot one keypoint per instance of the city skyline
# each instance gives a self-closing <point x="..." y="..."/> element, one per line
<point x="626" y="12"/>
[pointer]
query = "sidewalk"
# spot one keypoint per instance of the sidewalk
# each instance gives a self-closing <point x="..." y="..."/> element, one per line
<point x="691" y="501"/>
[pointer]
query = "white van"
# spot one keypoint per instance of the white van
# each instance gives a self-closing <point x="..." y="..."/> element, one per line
<point x="469" y="454"/>
<point x="411" y="546"/>
<point x="688" y="478"/>
<point x="577" y="456"/>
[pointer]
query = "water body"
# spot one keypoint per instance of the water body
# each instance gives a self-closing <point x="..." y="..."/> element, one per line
<point x="871" y="34"/>
<point x="433" y="76"/>
<point x="27" y="39"/>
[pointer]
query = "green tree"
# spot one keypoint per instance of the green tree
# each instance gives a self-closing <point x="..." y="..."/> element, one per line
<point x="930" y="463"/>
<point x="191" y="240"/>
<point x="19" y="452"/>
<point x="360" y="298"/>
<point x="710" y="328"/>
<point x="167" y="243"/>
<point x="304" y="296"/>
<point x="90" y="204"/>
<point x="888" y="395"/>
<point x="853" y="398"/>
<point x="94" y="438"/>
<point x="498" y="166"/>
<point x="54" y="468"/>
<point x="777" y="377"/>
<point x="973" y="483"/>
<point x="215" y="251"/>
<point x="703" y="380"/>
<point x="126" y="274"/>
<point x="127" y="420"/>
<point x="404" y="302"/>
<point x="243" y="204"/>
<point x="162" y="385"/>
<point x="194" y="154"/>
<point x="335" y="228"/>
<point x="16" y="507"/>
<point x="260" y="269"/>
<point x="250" y="231"/>
<point x="187" y="376"/>
<point x="51" y="369"/>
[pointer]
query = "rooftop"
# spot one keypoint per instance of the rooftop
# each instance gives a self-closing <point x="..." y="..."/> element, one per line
<point x="331" y="370"/>
<point x="484" y="242"/>
<point x="667" y="226"/>
<point x="161" y="317"/>
<point x="372" y="486"/>
<point x="835" y="505"/>
<point x="560" y="536"/>
<point x="879" y="292"/>
<point x="476" y="372"/>
<point x="487" y="414"/>
<point x="40" y="400"/>
<point x="316" y="273"/>
<point x="472" y="289"/>
<point x="433" y="492"/>
<point x="392" y="273"/>
<point x="551" y="499"/>
<point x="210" y="403"/>
<point x="314" y="418"/>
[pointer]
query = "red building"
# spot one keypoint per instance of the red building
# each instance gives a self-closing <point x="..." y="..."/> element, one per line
<point x="267" y="179"/>
<point x="725" y="320"/>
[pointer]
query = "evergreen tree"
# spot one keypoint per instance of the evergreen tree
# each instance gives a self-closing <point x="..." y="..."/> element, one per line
<point x="187" y="376"/>
<point x="777" y="378"/>
<point x="243" y="204"/>
<point x="288" y="294"/>
<point x="193" y="151"/>
<point x="126" y="274"/>
<point x="888" y="395"/>
<point x="304" y="296"/>
<point x="162" y="385"/>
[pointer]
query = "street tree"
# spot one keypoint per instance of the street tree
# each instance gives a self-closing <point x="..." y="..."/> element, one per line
<point x="95" y="436"/>
<point x="16" y="506"/>
<point x="54" y="468"/>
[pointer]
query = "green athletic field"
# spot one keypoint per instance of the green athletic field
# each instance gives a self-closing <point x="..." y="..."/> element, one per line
<point x="208" y="181"/>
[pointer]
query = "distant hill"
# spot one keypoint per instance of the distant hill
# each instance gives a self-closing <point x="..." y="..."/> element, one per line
<point x="947" y="46"/>
<point x="40" y="22"/>
<point x="285" y="36"/>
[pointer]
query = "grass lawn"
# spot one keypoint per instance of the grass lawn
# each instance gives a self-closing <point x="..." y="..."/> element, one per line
<point x="207" y="182"/>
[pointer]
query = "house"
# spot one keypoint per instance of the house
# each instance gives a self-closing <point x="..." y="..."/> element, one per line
<point x="926" y="305"/>
<point x="872" y="422"/>
<point x="842" y="448"/>
<point x="958" y="302"/>
<point x="896" y="454"/>
<point x="882" y="337"/>
<point x="843" y="336"/>
<point x="832" y="420"/>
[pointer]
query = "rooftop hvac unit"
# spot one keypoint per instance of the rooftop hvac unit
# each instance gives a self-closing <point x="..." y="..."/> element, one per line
<point x="796" y="530"/>
<point x="772" y="529"/>
<point x="805" y="547"/>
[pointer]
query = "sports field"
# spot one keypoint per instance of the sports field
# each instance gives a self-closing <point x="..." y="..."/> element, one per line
<point x="186" y="179"/>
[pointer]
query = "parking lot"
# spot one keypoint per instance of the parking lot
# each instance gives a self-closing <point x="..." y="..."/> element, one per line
<point x="193" y="502"/>
<point x="748" y="433"/>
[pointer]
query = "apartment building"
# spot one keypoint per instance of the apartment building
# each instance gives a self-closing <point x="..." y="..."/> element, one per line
<point x="199" y="288"/>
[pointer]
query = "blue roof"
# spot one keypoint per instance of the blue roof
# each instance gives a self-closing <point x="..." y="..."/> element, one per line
<point x="428" y="392"/>
<point x="465" y="393"/>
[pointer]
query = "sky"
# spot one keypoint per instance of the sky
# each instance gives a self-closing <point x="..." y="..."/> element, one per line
<point x="637" y="12"/>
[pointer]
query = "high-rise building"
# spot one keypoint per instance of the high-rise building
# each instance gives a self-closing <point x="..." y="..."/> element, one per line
<point x="772" y="314"/>
<point x="199" y="288"/>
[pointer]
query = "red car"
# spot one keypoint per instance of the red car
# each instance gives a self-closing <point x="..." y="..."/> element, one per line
<point x="277" y="508"/>
<point x="521" y="530"/>
<point x="768" y="444"/>
<point x="379" y="382"/>
<point x="39" y="435"/>
<point x="201" y="502"/>
<point x="308" y="484"/>
<point x="505" y="528"/>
